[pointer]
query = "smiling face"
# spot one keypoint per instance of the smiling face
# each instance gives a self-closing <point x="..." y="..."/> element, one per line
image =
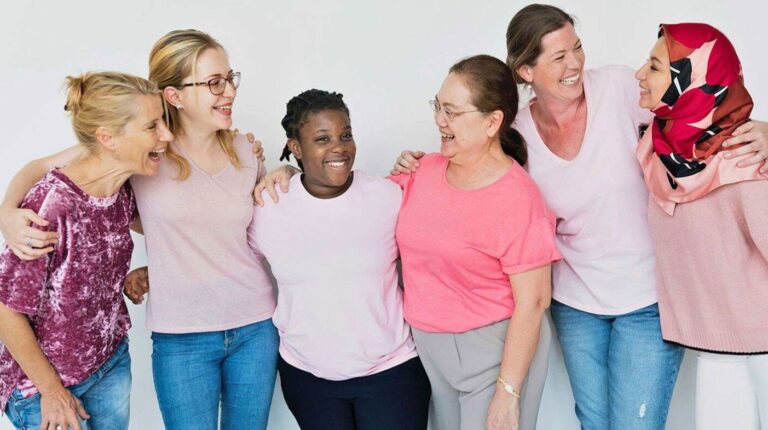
<point x="139" y="146"/>
<point x="208" y="112"/>
<point x="557" y="72"/>
<point x="654" y="76"/>
<point x="326" y="149"/>
<point x="468" y="128"/>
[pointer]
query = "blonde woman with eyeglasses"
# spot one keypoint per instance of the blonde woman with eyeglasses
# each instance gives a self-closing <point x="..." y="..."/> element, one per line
<point x="214" y="345"/>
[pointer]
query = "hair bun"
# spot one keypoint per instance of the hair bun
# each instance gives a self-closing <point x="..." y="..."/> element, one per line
<point x="74" y="92"/>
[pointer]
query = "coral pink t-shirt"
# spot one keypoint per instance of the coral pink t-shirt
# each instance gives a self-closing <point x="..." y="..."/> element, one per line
<point x="458" y="247"/>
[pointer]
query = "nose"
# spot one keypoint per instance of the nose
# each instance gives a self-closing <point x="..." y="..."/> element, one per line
<point x="640" y="73"/>
<point x="229" y="89"/>
<point x="575" y="61"/>
<point x="164" y="133"/>
<point x="441" y="120"/>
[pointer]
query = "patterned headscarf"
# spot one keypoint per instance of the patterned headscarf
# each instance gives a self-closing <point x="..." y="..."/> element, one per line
<point x="702" y="107"/>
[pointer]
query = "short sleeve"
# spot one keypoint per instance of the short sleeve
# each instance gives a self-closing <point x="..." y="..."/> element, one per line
<point x="533" y="247"/>
<point x="403" y="179"/>
<point x="22" y="282"/>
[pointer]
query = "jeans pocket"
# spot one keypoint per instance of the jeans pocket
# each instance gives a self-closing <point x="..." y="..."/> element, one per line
<point x="21" y="403"/>
<point x="24" y="413"/>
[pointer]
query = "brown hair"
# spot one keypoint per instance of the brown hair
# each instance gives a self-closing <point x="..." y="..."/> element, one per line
<point x="173" y="58"/>
<point x="493" y="88"/>
<point x="525" y="31"/>
<point x="103" y="99"/>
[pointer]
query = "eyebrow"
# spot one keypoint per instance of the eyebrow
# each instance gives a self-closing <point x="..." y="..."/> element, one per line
<point x="445" y="104"/>
<point x="219" y="75"/>
<point x="325" y="130"/>
<point x="562" y="51"/>
<point x="656" y="60"/>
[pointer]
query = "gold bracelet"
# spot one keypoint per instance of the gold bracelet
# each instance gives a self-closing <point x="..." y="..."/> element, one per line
<point x="509" y="388"/>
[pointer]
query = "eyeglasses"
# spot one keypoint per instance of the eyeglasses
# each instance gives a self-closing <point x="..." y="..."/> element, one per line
<point x="449" y="114"/>
<point x="218" y="84"/>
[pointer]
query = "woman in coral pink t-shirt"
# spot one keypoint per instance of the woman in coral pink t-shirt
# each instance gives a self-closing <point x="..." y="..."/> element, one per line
<point x="476" y="241"/>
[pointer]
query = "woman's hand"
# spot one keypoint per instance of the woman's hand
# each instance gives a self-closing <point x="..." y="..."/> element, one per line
<point x="258" y="148"/>
<point x="136" y="285"/>
<point x="282" y="175"/>
<point x="504" y="411"/>
<point x="27" y="242"/>
<point x="407" y="162"/>
<point x="59" y="409"/>
<point x="754" y="134"/>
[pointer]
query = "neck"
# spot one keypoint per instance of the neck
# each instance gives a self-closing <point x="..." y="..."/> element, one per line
<point x="490" y="154"/>
<point x="551" y="111"/>
<point x="99" y="176"/>
<point x="321" y="191"/>
<point x="195" y="138"/>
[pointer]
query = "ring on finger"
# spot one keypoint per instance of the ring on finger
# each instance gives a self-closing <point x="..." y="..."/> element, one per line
<point x="28" y="242"/>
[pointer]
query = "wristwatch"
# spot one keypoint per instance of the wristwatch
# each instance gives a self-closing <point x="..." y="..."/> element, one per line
<point x="509" y="388"/>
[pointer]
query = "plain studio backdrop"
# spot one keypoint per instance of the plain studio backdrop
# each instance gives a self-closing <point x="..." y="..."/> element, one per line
<point x="388" y="58"/>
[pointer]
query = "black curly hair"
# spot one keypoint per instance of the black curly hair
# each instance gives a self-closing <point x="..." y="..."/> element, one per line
<point x="300" y="107"/>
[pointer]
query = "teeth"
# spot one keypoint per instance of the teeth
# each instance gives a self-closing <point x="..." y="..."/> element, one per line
<point x="223" y="107"/>
<point x="336" y="163"/>
<point x="571" y="80"/>
<point x="447" y="136"/>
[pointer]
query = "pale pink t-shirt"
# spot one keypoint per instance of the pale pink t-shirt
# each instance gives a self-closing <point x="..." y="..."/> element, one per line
<point x="459" y="247"/>
<point x="203" y="274"/>
<point x="340" y="309"/>
<point x="600" y="200"/>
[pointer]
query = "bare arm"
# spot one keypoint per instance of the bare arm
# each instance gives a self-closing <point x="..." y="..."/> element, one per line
<point x="25" y="241"/>
<point x="58" y="406"/>
<point x="532" y="292"/>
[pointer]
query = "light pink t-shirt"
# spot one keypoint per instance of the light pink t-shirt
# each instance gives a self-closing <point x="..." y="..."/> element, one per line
<point x="340" y="309"/>
<point x="600" y="200"/>
<point x="203" y="274"/>
<point x="459" y="246"/>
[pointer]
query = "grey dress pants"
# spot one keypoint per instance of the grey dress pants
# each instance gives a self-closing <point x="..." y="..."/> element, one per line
<point x="462" y="370"/>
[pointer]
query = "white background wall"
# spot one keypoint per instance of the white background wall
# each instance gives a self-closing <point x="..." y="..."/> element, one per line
<point x="387" y="57"/>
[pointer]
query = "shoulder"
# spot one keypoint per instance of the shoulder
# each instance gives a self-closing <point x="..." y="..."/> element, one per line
<point x="523" y="190"/>
<point x="244" y="150"/>
<point x="50" y="197"/>
<point x="613" y="77"/>
<point x="613" y="72"/>
<point x="375" y="187"/>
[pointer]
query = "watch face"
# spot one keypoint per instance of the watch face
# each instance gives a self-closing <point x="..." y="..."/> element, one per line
<point x="508" y="388"/>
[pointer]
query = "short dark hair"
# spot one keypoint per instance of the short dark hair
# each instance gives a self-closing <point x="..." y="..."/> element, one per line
<point x="299" y="108"/>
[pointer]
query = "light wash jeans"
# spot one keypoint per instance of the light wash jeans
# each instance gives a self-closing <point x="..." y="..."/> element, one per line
<point x="195" y="374"/>
<point x="105" y="396"/>
<point x="622" y="373"/>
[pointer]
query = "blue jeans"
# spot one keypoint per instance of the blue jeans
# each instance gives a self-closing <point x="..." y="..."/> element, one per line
<point x="621" y="371"/>
<point x="195" y="374"/>
<point x="105" y="396"/>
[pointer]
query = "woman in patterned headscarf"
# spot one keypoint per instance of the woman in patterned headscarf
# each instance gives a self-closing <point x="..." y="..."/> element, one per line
<point x="708" y="219"/>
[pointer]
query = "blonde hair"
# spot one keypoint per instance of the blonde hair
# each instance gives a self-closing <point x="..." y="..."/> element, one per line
<point x="173" y="58"/>
<point x="103" y="99"/>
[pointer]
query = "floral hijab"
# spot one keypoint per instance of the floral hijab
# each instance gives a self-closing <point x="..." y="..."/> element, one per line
<point x="704" y="104"/>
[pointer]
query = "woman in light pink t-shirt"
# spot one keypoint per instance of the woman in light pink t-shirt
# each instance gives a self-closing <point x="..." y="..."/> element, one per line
<point x="347" y="359"/>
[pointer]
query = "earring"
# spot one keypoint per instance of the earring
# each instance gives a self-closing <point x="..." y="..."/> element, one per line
<point x="178" y="106"/>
